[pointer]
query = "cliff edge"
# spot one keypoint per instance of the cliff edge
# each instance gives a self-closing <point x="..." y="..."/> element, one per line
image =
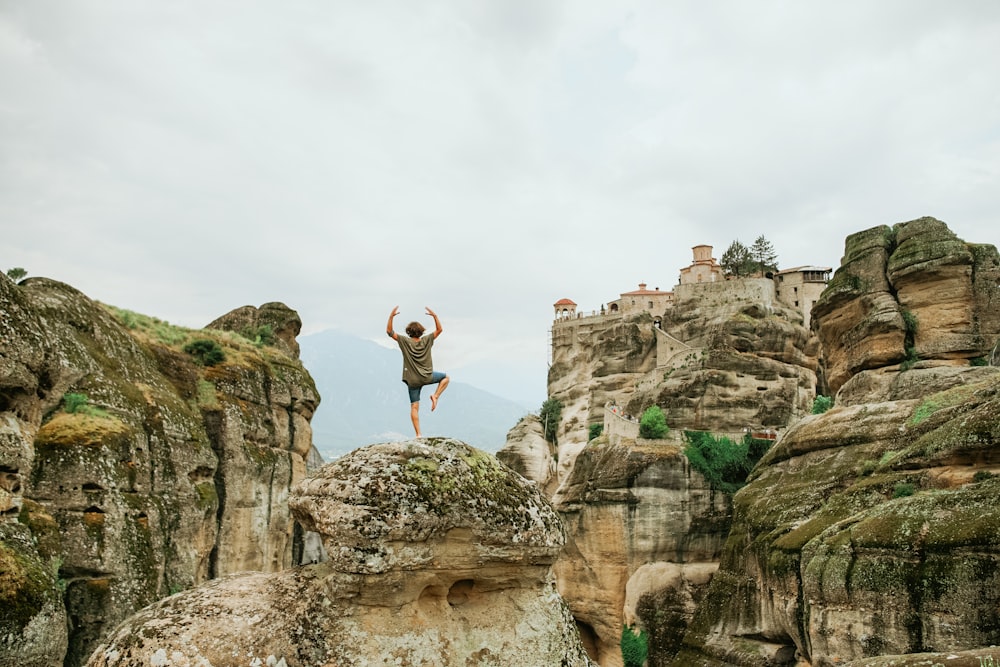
<point x="131" y="469"/>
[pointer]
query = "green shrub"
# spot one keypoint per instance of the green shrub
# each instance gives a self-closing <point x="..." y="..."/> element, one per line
<point x="653" y="424"/>
<point x="903" y="489"/>
<point x="909" y="346"/>
<point x="978" y="361"/>
<point x="206" y="351"/>
<point x="821" y="404"/>
<point x="724" y="463"/>
<point x="260" y="336"/>
<point x="73" y="403"/>
<point x="982" y="476"/>
<point x="868" y="467"/>
<point x="595" y="430"/>
<point x="16" y="273"/>
<point x="634" y="647"/>
<point x="549" y="414"/>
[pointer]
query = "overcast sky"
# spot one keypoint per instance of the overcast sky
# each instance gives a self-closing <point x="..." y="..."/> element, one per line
<point x="184" y="158"/>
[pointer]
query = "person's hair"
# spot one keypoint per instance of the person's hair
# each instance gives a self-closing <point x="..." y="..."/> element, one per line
<point x="414" y="330"/>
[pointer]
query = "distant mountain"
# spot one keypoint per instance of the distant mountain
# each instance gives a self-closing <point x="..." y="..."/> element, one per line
<point x="364" y="400"/>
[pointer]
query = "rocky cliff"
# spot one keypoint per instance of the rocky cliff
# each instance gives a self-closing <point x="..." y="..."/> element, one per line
<point x="873" y="529"/>
<point x="725" y="357"/>
<point x="911" y="294"/>
<point x="129" y="470"/>
<point x="645" y="535"/>
<point x="870" y="530"/>
<point x="439" y="556"/>
<point x="645" y="531"/>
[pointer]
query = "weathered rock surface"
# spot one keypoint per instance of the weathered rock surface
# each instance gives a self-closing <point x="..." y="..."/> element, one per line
<point x="873" y="529"/>
<point x="273" y="322"/>
<point x="530" y="455"/>
<point x="748" y="363"/>
<point x="642" y="545"/>
<point x="439" y="556"/>
<point x="32" y="615"/>
<point x="645" y="533"/>
<point x="170" y="474"/>
<point x="725" y="357"/>
<point x="907" y="294"/>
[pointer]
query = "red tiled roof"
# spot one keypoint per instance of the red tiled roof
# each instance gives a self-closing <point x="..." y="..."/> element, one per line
<point x="564" y="302"/>
<point x="645" y="292"/>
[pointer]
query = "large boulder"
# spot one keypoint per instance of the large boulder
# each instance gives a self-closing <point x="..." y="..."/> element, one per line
<point x="905" y="296"/>
<point x="273" y="323"/>
<point x="439" y="555"/>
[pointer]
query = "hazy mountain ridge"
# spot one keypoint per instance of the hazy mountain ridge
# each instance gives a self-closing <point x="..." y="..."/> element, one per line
<point x="364" y="400"/>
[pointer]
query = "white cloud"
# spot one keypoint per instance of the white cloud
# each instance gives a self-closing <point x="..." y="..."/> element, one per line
<point x="484" y="159"/>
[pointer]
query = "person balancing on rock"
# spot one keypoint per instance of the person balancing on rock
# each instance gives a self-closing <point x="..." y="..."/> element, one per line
<point x="418" y="369"/>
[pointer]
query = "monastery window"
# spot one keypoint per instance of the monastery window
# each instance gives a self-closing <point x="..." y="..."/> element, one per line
<point x="651" y="305"/>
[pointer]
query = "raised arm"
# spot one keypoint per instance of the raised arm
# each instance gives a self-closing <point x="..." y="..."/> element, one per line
<point x="437" y="323"/>
<point x="388" y="326"/>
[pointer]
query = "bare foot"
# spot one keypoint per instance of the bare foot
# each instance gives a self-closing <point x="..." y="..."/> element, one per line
<point x="434" y="402"/>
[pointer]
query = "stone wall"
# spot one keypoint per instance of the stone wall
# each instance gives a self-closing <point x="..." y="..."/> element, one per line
<point x="728" y="292"/>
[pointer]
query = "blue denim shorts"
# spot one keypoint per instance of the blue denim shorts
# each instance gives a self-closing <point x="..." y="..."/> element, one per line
<point x="436" y="377"/>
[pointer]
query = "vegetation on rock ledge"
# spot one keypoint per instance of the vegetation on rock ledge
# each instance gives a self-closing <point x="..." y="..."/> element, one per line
<point x="723" y="462"/>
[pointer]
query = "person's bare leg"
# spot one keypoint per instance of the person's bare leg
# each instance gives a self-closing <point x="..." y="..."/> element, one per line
<point x="442" y="385"/>
<point x="415" y="417"/>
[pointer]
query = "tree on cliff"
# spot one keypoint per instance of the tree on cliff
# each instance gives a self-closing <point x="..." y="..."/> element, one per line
<point x="737" y="261"/>
<point x="549" y="414"/>
<point x="653" y="424"/>
<point x="764" y="256"/>
<point x="16" y="273"/>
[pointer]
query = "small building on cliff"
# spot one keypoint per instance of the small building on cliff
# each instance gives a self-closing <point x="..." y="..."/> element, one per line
<point x="800" y="287"/>
<point x="703" y="268"/>
<point x="642" y="300"/>
<point x="565" y="309"/>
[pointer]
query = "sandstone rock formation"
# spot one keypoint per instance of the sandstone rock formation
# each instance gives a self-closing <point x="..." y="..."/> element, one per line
<point x="439" y="556"/>
<point x="905" y="295"/>
<point x="645" y="531"/>
<point x="873" y="529"/>
<point x="725" y="357"/>
<point x="741" y="360"/>
<point x="162" y="474"/>
<point x="529" y="454"/>
<point x="273" y="322"/>
<point x="645" y="535"/>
